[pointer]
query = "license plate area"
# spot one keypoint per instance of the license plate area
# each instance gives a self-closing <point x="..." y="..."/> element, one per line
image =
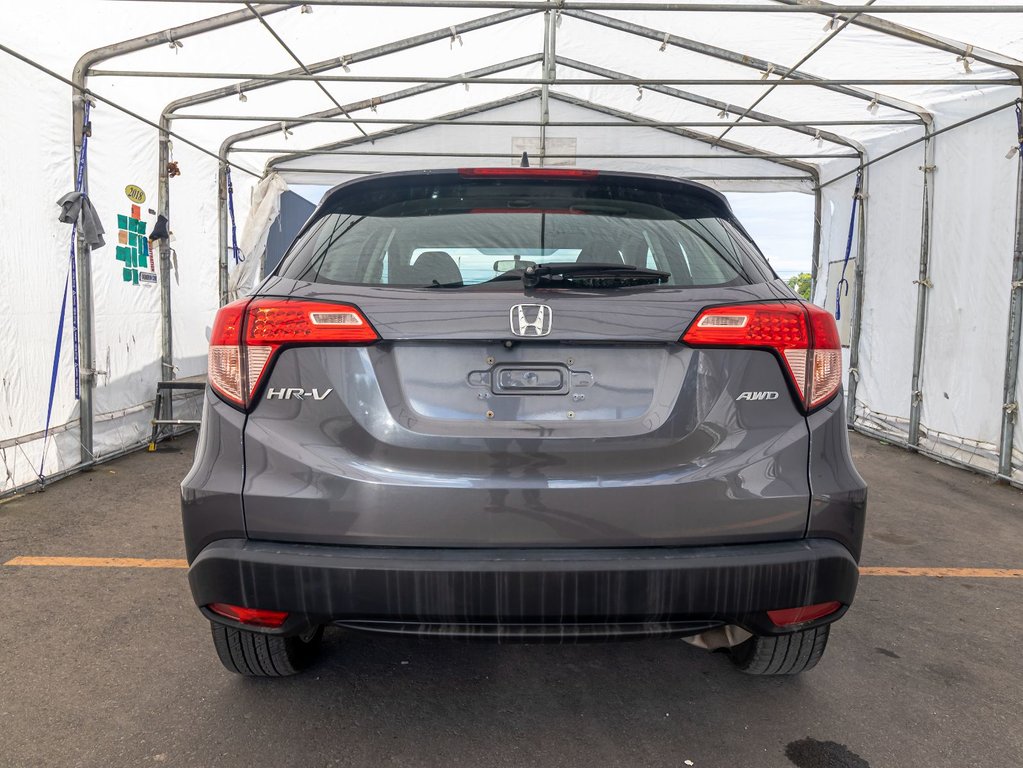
<point x="533" y="379"/>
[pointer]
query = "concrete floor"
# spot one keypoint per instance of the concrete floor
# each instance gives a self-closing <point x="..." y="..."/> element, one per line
<point x="115" y="667"/>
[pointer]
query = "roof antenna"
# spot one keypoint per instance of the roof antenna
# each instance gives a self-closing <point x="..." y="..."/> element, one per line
<point x="524" y="162"/>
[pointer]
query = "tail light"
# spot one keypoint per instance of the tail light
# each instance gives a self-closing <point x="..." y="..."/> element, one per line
<point x="249" y="332"/>
<point x="804" y="336"/>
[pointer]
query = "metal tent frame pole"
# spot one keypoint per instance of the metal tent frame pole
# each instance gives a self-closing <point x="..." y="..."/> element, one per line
<point x="839" y="85"/>
<point x="504" y="153"/>
<point x="815" y="257"/>
<point x="291" y="121"/>
<point x="1010" y="401"/>
<point x="549" y="73"/>
<point x="702" y="7"/>
<point x="167" y="335"/>
<point x="857" y="319"/>
<point x="923" y="283"/>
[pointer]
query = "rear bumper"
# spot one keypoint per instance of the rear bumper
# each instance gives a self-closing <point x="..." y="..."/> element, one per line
<point x="525" y="593"/>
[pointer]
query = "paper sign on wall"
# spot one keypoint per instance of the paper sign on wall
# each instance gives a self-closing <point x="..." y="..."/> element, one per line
<point x="133" y="247"/>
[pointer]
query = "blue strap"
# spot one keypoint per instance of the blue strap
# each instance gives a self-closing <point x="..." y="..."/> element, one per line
<point x="238" y="258"/>
<point x="848" y="247"/>
<point x="70" y="279"/>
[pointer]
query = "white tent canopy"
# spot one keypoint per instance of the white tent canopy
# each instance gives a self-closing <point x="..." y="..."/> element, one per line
<point x="907" y="111"/>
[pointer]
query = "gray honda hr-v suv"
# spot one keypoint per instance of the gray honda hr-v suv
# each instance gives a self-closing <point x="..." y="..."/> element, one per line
<point x="523" y="404"/>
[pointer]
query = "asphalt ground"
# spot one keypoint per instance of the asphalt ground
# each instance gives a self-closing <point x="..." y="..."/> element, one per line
<point x="114" y="666"/>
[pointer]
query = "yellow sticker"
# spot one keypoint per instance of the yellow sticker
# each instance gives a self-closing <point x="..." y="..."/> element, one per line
<point x="135" y="194"/>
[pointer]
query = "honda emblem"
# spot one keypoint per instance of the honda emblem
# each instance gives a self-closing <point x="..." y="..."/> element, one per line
<point x="531" y="319"/>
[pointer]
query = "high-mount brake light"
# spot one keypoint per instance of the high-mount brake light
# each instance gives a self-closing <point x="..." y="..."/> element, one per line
<point x="248" y="333"/>
<point x="803" y="335"/>
<point x="528" y="173"/>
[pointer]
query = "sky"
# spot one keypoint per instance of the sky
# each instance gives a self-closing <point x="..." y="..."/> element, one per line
<point x="781" y="223"/>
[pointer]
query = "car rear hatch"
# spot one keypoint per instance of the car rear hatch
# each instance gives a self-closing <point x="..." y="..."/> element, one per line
<point x="473" y="405"/>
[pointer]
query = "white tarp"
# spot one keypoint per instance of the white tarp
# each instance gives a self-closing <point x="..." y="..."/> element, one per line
<point x="974" y="182"/>
<point x="265" y="205"/>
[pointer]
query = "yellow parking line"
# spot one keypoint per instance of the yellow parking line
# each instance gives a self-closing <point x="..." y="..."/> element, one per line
<point x="142" y="562"/>
<point x="98" y="562"/>
<point x="955" y="573"/>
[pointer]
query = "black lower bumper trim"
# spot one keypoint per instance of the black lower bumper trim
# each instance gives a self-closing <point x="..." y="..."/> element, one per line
<point x="478" y="587"/>
<point x="505" y="632"/>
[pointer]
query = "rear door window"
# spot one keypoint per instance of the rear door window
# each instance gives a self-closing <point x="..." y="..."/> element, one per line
<point x="455" y="233"/>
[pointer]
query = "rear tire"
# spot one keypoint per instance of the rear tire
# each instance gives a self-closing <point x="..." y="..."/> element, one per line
<point x="255" y="654"/>
<point x="781" y="654"/>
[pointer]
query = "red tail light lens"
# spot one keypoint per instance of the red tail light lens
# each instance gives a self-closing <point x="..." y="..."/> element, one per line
<point x="247" y="334"/>
<point x="804" y="336"/>
<point x="786" y="617"/>
<point x="255" y="617"/>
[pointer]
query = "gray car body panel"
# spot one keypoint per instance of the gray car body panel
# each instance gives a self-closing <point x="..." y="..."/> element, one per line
<point x="693" y="467"/>
<point x="211" y="493"/>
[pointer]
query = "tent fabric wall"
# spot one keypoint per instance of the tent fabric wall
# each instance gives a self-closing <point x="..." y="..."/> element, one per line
<point x="975" y="200"/>
<point x="36" y="169"/>
<point x="34" y="255"/>
<point x="971" y="268"/>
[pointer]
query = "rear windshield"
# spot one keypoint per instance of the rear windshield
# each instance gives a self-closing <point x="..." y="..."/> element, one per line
<point x="458" y="233"/>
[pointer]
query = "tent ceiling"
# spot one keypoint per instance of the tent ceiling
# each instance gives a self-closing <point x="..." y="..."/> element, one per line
<point x="361" y="64"/>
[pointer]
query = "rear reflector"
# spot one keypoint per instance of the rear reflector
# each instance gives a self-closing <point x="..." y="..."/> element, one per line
<point x="255" y="617"/>
<point x="531" y="173"/>
<point x="789" y="616"/>
<point x="804" y="336"/>
<point x="248" y="333"/>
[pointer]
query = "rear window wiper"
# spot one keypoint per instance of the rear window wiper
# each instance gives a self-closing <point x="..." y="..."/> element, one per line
<point x="573" y="275"/>
<point x="591" y="275"/>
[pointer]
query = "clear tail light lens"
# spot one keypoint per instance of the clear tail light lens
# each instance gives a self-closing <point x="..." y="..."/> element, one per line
<point x="803" y="335"/>
<point x="224" y="361"/>
<point x="248" y="333"/>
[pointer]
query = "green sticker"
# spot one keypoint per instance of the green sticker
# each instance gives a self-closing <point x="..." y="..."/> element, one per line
<point x="126" y="274"/>
<point x="123" y="253"/>
<point x="122" y="221"/>
<point x="141" y="228"/>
